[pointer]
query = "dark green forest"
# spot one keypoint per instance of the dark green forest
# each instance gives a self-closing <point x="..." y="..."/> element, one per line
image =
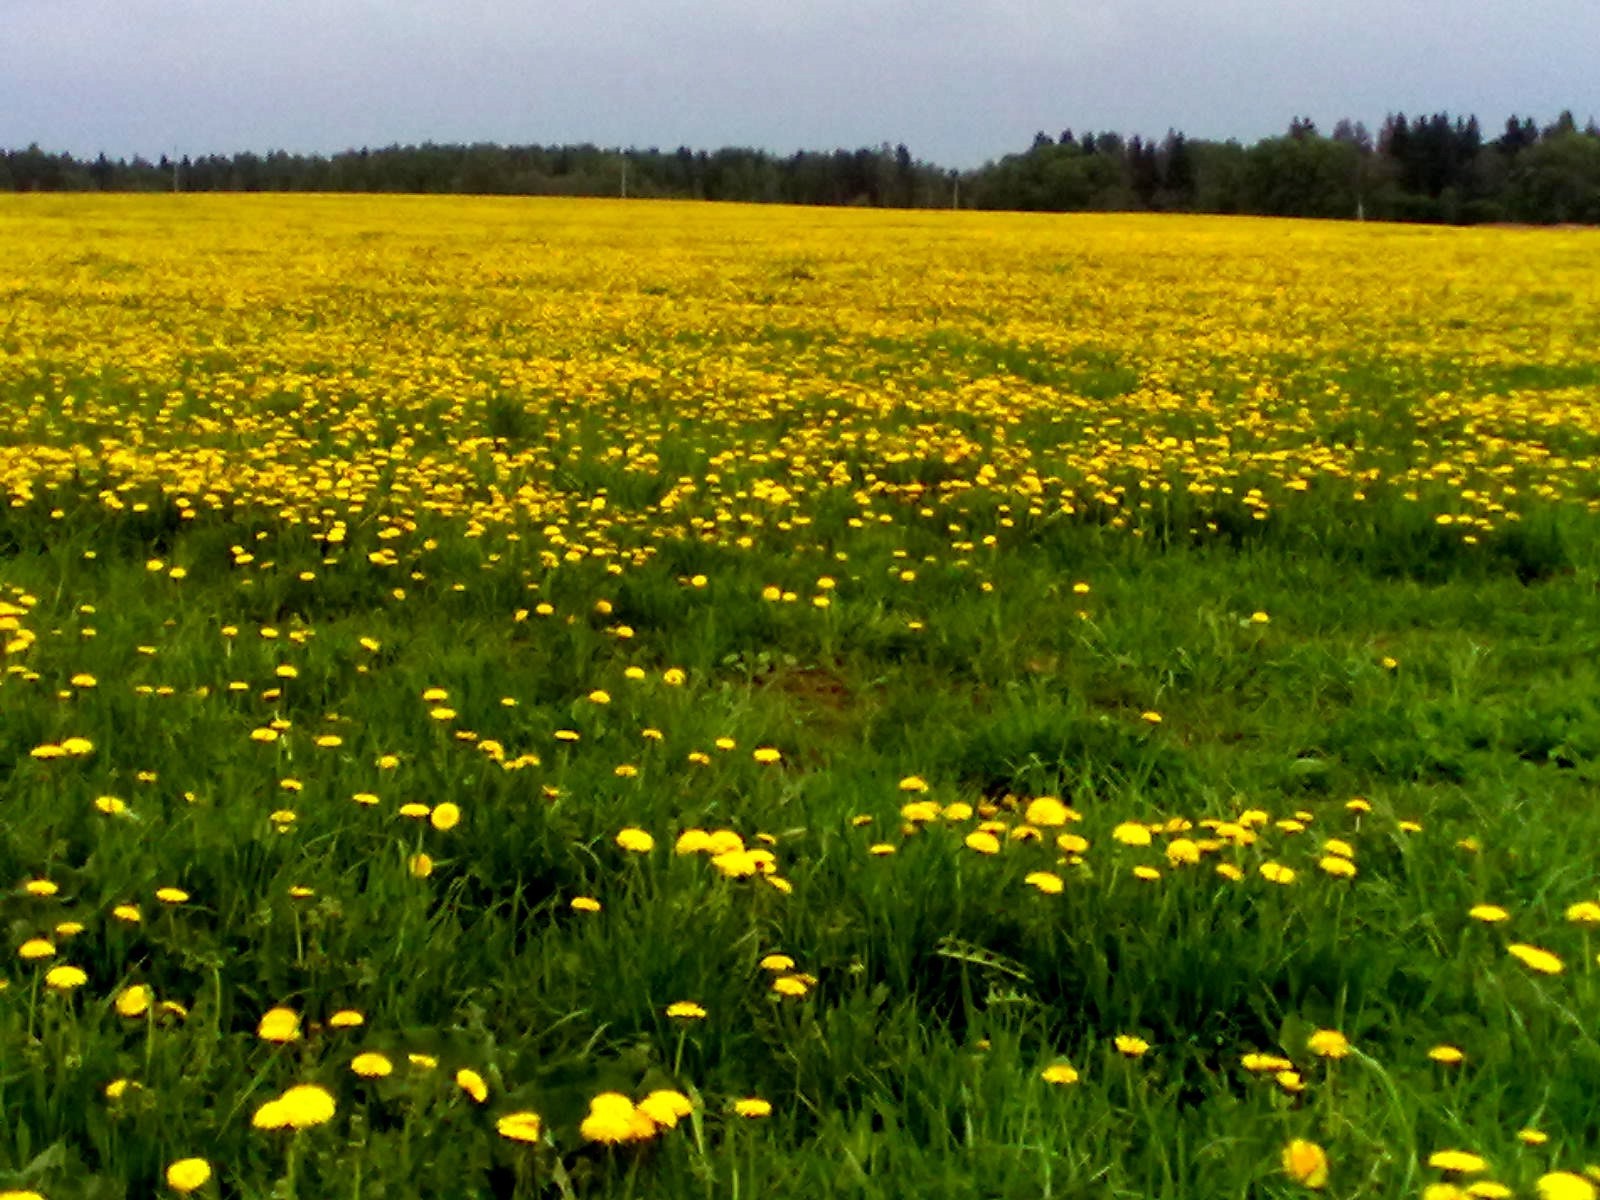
<point x="1433" y="168"/>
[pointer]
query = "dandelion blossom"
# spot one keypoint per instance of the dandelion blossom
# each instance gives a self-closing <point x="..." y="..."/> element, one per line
<point x="1459" y="1162"/>
<point x="610" y="1120"/>
<point x="371" y="1065"/>
<point x="64" y="978"/>
<point x="1060" y="1074"/>
<point x="1306" y="1163"/>
<point x="1536" y="959"/>
<point x="188" y="1174"/>
<point x="279" y="1025"/>
<point x="306" y="1105"/>
<point x="666" y="1107"/>
<point x="520" y="1126"/>
<point x="1328" y="1043"/>
<point x="635" y="841"/>
<point x="1564" y="1185"/>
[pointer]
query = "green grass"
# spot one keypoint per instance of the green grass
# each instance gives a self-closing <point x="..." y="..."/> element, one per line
<point x="944" y="983"/>
<point x="1049" y="574"/>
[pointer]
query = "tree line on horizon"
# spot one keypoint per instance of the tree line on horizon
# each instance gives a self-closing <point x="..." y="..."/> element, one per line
<point x="1434" y="168"/>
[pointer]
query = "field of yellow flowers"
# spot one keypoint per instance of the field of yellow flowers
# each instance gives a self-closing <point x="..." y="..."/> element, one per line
<point x="530" y="698"/>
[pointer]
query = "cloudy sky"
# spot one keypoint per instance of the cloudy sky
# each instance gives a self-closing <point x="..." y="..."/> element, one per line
<point x="959" y="81"/>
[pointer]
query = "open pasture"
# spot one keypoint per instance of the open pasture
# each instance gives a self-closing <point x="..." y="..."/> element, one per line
<point x="542" y="698"/>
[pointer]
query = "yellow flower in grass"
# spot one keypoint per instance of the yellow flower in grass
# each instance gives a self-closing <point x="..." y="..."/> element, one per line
<point x="279" y="1025"/>
<point x="444" y="816"/>
<point x="753" y="1107"/>
<point x="1182" y="851"/>
<point x="983" y="842"/>
<point x="1045" y="881"/>
<point x="1264" y="1063"/>
<point x="1457" y="1162"/>
<point x="1328" y="1043"/>
<point x="346" y="1018"/>
<point x="305" y="1105"/>
<point x="666" y="1107"/>
<point x="790" y="985"/>
<point x="1564" y="1185"/>
<point x="1536" y="959"/>
<point x="35" y="948"/>
<point x="635" y="841"/>
<point x="1306" y="1163"/>
<point x="1489" y="914"/>
<point x="1048" y="812"/>
<point x="520" y="1126"/>
<point x="1488" y="1189"/>
<point x="470" y="1082"/>
<point x="134" y="1001"/>
<point x="686" y="1010"/>
<point x="1131" y="1046"/>
<point x="188" y="1174"/>
<point x="1340" y="868"/>
<point x="1447" y="1055"/>
<point x="1131" y="833"/>
<point x="371" y="1065"/>
<point x="1060" y="1074"/>
<point x="64" y="978"/>
<point x="587" y="904"/>
<point x="613" y="1119"/>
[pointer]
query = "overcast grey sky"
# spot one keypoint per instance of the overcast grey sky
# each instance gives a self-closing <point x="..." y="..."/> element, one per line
<point x="958" y="81"/>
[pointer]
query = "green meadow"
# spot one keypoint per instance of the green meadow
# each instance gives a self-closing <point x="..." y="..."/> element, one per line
<point x="739" y="708"/>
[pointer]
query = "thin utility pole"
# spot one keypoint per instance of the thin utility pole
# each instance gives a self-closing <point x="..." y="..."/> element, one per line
<point x="624" y="176"/>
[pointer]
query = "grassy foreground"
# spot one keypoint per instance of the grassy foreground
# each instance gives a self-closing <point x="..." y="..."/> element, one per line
<point x="529" y="698"/>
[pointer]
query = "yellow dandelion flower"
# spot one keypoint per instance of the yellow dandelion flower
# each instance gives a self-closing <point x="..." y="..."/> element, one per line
<point x="752" y="1107"/>
<point x="1306" y="1163"/>
<point x="1045" y="881"/>
<point x="520" y="1127"/>
<point x="610" y="1120"/>
<point x="444" y="816"/>
<point x="305" y="1105"/>
<point x="1536" y="959"/>
<point x="1328" y="1043"/>
<point x="279" y="1025"/>
<point x="1459" y="1162"/>
<point x="65" y="978"/>
<point x="1564" y="1185"/>
<point x="1060" y="1074"/>
<point x="188" y="1175"/>
<point x="686" y="1010"/>
<point x="635" y="841"/>
<point x="371" y="1065"/>
<point x="470" y="1082"/>
<point x="666" y="1107"/>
